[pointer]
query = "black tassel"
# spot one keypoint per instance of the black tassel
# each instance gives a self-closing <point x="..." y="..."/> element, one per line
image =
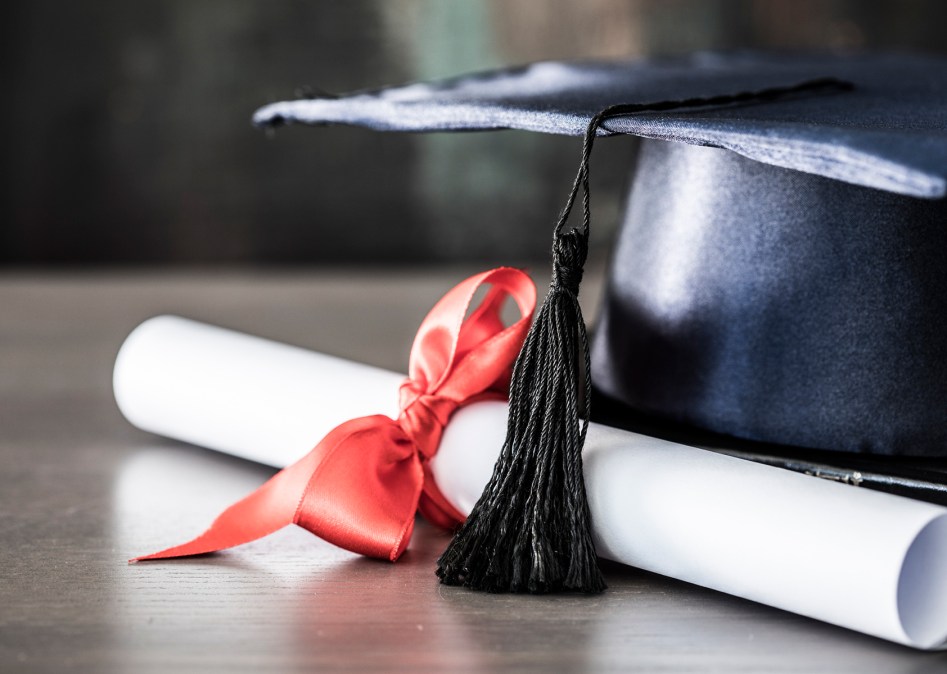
<point x="531" y="529"/>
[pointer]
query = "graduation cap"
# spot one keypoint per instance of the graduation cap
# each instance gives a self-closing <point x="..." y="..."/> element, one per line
<point x="779" y="278"/>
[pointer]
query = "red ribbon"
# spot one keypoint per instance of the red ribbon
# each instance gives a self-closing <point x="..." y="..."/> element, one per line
<point x="360" y="487"/>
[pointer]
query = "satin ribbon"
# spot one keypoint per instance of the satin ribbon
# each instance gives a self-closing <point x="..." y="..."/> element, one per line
<point x="361" y="486"/>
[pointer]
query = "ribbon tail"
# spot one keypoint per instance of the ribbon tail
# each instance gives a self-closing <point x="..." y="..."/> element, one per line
<point x="266" y="510"/>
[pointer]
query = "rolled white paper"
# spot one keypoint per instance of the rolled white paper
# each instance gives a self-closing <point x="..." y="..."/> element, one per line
<point x="864" y="560"/>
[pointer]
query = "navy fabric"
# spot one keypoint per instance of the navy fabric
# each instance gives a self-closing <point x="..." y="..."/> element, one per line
<point x="773" y="305"/>
<point x="786" y="282"/>
<point x="890" y="133"/>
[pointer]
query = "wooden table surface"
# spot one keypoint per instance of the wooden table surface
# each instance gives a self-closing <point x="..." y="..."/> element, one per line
<point x="81" y="491"/>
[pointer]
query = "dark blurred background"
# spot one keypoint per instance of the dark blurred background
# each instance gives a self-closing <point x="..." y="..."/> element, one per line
<point x="126" y="135"/>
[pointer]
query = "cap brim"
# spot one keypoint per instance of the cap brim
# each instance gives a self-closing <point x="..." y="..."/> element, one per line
<point x="889" y="133"/>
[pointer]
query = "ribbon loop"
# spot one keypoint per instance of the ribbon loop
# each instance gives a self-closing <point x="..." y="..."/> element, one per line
<point x="361" y="486"/>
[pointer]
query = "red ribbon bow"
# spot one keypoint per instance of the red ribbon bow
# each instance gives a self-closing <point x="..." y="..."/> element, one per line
<point x="360" y="487"/>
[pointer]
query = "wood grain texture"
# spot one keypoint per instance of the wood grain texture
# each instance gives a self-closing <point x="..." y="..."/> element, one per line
<point x="81" y="492"/>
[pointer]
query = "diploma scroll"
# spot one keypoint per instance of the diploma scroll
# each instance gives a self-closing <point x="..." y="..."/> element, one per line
<point x="864" y="560"/>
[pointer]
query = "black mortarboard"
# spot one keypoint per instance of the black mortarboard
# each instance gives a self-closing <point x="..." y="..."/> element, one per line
<point x="780" y="276"/>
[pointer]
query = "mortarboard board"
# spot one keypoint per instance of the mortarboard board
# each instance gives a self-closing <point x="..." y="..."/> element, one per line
<point x="779" y="275"/>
